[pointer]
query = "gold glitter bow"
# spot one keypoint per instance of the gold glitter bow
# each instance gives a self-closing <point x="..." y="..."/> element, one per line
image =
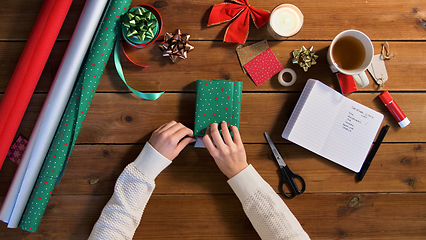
<point x="304" y="57"/>
<point x="176" y="45"/>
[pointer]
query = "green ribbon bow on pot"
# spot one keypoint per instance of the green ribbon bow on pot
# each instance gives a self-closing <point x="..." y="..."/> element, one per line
<point x="141" y="25"/>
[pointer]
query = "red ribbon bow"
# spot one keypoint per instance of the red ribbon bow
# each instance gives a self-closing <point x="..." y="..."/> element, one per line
<point x="239" y="11"/>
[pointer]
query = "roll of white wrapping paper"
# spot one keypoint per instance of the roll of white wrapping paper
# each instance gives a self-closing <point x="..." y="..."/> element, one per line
<point x="51" y="113"/>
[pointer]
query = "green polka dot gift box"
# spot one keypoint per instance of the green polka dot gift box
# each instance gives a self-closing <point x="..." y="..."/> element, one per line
<point x="217" y="101"/>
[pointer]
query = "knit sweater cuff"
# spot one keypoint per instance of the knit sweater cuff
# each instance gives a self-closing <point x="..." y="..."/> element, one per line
<point x="247" y="182"/>
<point x="150" y="162"/>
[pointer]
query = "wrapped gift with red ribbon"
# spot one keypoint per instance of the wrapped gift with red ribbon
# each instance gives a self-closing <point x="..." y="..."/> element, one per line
<point x="239" y="12"/>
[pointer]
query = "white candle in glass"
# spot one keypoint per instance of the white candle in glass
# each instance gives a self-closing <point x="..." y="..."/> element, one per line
<point x="285" y="21"/>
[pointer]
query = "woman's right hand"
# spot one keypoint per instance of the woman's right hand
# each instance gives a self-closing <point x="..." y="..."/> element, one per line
<point x="228" y="153"/>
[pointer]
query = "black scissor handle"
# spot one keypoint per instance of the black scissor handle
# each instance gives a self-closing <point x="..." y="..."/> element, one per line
<point x="288" y="179"/>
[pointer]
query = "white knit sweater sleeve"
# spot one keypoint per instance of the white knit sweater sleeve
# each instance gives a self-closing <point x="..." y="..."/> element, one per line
<point x="122" y="214"/>
<point x="266" y="210"/>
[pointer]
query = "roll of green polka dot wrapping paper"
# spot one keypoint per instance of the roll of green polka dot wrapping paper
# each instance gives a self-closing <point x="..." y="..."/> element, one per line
<point x="217" y="101"/>
<point x="75" y="113"/>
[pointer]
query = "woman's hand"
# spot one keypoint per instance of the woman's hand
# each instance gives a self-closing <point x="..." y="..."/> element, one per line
<point x="229" y="154"/>
<point x="171" y="138"/>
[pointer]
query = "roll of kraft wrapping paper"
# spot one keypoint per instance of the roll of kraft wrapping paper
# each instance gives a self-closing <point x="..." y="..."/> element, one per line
<point x="28" y="70"/>
<point x="51" y="113"/>
<point x="73" y="117"/>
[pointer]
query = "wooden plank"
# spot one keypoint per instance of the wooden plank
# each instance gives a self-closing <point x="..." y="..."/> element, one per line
<point x="383" y="20"/>
<point x="260" y="113"/>
<point x="113" y="118"/>
<point x="397" y="168"/>
<point x="9" y="55"/>
<point x="18" y="18"/>
<point x="406" y="70"/>
<point x="332" y="216"/>
<point x="345" y="215"/>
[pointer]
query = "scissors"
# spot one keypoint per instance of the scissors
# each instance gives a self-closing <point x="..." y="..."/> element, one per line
<point x="287" y="176"/>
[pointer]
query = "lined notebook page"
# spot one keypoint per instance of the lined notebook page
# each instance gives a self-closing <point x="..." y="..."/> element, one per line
<point x="333" y="126"/>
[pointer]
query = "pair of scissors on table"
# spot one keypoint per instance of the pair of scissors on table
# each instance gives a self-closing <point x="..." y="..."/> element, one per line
<point x="287" y="176"/>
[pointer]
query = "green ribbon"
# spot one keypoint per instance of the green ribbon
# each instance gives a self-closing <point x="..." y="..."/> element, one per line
<point x="119" y="68"/>
<point x="140" y="25"/>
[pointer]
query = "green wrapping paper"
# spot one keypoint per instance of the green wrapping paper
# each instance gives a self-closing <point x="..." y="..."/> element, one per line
<point x="217" y="101"/>
<point x="74" y="115"/>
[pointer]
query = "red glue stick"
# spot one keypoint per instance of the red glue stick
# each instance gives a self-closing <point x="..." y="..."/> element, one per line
<point x="394" y="109"/>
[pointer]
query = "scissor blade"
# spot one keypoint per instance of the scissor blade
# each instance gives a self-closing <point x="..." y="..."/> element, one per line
<point x="275" y="150"/>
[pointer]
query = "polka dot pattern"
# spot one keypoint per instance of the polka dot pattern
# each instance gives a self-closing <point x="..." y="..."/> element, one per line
<point x="263" y="67"/>
<point x="246" y="54"/>
<point x="74" y="115"/>
<point x="217" y="101"/>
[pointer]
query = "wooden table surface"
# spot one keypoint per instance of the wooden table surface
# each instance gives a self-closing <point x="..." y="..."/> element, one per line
<point x="192" y="199"/>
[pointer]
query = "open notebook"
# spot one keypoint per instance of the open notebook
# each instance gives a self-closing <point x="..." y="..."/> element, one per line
<point x="333" y="126"/>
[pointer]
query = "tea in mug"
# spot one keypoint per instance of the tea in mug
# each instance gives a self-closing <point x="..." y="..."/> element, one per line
<point x="348" y="53"/>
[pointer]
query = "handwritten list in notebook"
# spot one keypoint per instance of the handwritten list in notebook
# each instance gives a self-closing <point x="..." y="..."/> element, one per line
<point x="333" y="126"/>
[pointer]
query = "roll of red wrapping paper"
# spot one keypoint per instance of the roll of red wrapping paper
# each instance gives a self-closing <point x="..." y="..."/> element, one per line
<point x="29" y="68"/>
